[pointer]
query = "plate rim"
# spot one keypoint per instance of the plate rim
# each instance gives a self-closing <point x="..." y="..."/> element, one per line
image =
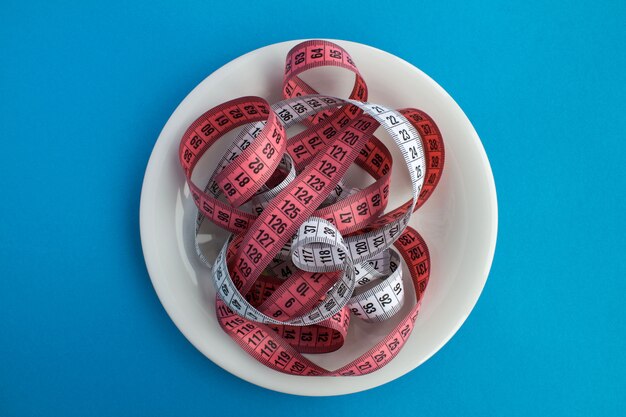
<point x="171" y="309"/>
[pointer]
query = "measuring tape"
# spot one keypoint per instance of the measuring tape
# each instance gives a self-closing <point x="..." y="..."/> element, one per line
<point x="307" y="252"/>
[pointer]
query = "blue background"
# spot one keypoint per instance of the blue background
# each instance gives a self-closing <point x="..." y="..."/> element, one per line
<point x="85" y="91"/>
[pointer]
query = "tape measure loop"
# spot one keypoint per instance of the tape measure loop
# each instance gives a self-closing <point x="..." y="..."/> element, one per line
<point x="307" y="250"/>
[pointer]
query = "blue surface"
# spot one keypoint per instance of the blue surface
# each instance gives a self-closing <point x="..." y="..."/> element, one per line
<point x="85" y="91"/>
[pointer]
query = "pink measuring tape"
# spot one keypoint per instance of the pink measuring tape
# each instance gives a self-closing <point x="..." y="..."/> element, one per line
<point x="307" y="253"/>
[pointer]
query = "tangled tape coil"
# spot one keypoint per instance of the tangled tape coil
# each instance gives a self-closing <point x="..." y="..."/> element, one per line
<point x="306" y="251"/>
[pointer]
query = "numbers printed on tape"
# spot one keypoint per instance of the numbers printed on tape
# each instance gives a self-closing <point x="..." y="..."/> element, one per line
<point x="306" y="250"/>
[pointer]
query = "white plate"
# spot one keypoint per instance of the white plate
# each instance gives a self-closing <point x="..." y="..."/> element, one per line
<point x="459" y="222"/>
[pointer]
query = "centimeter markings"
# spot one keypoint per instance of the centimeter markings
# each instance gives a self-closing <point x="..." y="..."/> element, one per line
<point x="388" y="294"/>
<point x="240" y="219"/>
<point x="300" y="199"/>
<point x="270" y="349"/>
<point x="373" y="243"/>
<point x="304" y="209"/>
<point x="406" y="137"/>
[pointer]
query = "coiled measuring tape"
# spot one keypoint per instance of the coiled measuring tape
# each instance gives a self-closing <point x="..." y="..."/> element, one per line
<point x="307" y="252"/>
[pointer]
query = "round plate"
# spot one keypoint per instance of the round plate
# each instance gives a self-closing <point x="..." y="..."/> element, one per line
<point x="459" y="222"/>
